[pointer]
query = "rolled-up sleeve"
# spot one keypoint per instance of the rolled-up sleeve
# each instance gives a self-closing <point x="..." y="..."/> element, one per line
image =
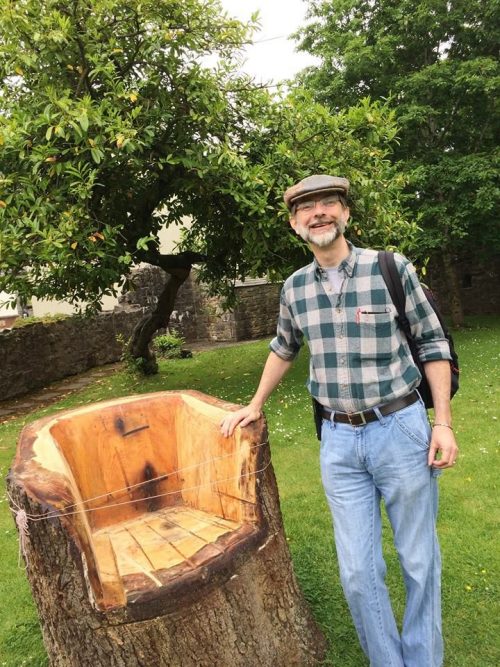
<point x="425" y="326"/>
<point x="289" y="338"/>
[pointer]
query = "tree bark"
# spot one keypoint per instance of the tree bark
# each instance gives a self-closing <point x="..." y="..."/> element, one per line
<point x="453" y="285"/>
<point x="247" y="611"/>
<point x="139" y="345"/>
<point x="177" y="268"/>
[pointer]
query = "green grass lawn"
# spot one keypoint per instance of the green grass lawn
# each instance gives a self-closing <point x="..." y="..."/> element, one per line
<point x="468" y="509"/>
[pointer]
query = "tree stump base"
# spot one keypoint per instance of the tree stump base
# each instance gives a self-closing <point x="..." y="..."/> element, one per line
<point x="154" y="541"/>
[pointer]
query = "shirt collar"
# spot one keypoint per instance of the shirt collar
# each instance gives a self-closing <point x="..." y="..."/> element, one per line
<point x="347" y="265"/>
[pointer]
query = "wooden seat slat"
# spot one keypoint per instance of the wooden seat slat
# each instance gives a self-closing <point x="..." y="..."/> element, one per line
<point x="108" y="570"/>
<point x="157" y="550"/>
<point x="157" y="541"/>
<point x="212" y="519"/>
<point x="130" y="556"/>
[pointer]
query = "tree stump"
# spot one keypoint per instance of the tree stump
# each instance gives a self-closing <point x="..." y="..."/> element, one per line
<point x="155" y="541"/>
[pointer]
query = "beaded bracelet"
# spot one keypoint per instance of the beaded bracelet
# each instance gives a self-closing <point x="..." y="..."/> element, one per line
<point x="442" y="424"/>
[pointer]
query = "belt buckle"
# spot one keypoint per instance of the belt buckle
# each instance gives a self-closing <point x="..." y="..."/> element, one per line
<point x="361" y="414"/>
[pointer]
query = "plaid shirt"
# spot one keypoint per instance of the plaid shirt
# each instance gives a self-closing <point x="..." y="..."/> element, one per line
<point x="359" y="356"/>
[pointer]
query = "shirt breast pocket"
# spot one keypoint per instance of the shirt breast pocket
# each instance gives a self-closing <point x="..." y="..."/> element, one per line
<point x="377" y="332"/>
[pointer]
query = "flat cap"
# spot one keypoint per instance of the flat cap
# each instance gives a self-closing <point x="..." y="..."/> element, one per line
<point x="314" y="185"/>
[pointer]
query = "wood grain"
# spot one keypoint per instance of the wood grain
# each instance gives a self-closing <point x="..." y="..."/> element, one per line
<point x="149" y="482"/>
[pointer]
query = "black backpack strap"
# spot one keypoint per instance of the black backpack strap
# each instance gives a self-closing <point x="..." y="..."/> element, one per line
<point x="392" y="279"/>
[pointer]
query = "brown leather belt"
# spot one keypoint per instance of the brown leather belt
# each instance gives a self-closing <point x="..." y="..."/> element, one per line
<point x="367" y="416"/>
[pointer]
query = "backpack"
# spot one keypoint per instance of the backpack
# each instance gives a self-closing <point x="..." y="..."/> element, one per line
<point x="392" y="279"/>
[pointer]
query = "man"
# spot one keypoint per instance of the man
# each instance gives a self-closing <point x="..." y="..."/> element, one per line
<point x="376" y="442"/>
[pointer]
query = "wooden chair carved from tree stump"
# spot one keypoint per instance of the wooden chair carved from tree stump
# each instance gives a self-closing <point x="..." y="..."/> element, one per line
<point x="155" y="541"/>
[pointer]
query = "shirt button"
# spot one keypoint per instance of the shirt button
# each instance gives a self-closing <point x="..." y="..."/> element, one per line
<point x="339" y="310"/>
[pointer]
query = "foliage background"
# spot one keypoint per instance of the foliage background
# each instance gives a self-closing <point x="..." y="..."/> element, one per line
<point x="435" y="63"/>
<point x="120" y="116"/>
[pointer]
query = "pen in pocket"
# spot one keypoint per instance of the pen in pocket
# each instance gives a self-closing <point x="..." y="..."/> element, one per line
<point x="362" y="311"/>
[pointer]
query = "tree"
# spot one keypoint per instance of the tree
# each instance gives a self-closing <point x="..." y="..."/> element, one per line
<point x="437" y="63"/>
<point x="115" y="123"/>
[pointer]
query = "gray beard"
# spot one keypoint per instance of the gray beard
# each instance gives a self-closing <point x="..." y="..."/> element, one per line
<point x="324" y="239"/>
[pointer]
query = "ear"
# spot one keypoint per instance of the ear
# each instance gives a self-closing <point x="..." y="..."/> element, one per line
<point x="293" y="222"/>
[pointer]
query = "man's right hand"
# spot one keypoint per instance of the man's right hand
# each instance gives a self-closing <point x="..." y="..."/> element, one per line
<point x="241" y="417"/>
<point x="274" y="370"/>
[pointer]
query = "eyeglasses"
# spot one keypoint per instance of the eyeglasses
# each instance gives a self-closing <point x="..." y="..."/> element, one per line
<point x="310" y="204"/>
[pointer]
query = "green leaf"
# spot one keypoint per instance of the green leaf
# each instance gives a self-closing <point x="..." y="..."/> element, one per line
<point x="84" y="122"/>
<point x="96" y="155"/>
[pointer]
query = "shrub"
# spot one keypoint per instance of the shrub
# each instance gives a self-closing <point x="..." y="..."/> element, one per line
<point x="169" y="346"/>
<point x="135" y="365"/>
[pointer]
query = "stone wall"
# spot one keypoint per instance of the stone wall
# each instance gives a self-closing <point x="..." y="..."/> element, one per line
<point x="479" y="291"/>
<point x="199" y="317"/>
<point x="257" y="311"/>
<point x="145" y="285"/>
<point x="35" y="355"/>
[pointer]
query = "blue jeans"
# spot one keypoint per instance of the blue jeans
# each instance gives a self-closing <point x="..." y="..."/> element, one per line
<point x="360" y="465"/>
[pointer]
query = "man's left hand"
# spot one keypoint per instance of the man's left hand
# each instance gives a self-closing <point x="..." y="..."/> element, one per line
<point x="442" y="443"/>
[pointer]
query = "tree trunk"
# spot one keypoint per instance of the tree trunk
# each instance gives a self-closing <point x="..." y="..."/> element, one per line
<point x="453" y="285"/>
<point x="177" y="267"/>
<point x="234" y="602"/>
<point x="139" y="344"/>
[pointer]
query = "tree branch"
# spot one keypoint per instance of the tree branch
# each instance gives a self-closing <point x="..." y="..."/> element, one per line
<point x="85" y="67"/>
<point x="172" y="263"/>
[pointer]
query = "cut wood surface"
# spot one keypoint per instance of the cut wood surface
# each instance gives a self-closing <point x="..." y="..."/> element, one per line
<point x="153" y="512"/>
